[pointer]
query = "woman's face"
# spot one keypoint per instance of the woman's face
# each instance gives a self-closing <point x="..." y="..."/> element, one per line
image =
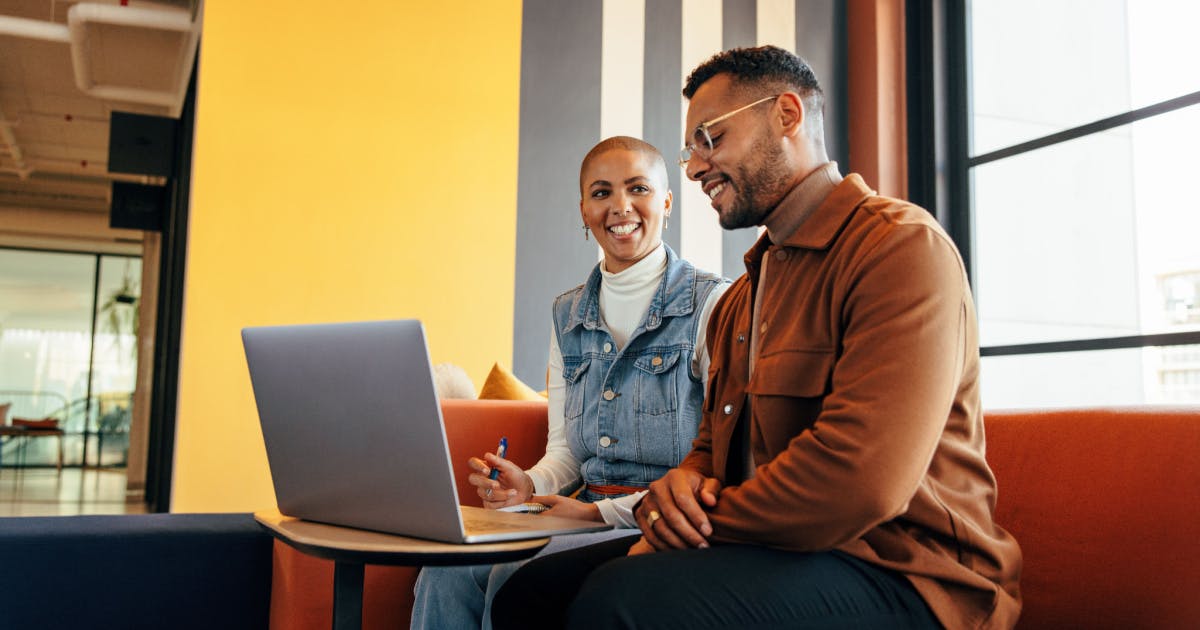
<point x="625" y="199"/>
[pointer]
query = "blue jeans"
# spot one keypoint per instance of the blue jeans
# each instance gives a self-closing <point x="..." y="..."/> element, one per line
<point x="461" y="597"/>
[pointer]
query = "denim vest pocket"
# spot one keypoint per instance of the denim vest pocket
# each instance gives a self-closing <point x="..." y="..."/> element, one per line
<point x="656" y="387"/>
<point x="795" y="373"/>
<point x="574" y="372"/>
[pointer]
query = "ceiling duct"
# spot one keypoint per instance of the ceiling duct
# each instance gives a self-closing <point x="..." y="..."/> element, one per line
<point x="107" y="40"/>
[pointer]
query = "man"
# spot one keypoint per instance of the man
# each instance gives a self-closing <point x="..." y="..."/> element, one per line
<point x="838" y="478"/>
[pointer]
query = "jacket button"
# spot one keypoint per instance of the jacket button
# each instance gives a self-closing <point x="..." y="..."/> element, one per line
<point x="728" y="409"/>
<point x="605" y="441"/>
<point x="607" y="347"/>
<point x="780" y="254"/>
<point x="656" y="361"/>
<point x="609" y="395"/>
<point x="741" y="338"/>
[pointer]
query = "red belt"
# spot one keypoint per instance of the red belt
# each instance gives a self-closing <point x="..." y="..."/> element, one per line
<point x="609" y="491"/>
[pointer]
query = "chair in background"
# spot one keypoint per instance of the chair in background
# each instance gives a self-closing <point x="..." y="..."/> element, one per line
<point x="23" y="417"/>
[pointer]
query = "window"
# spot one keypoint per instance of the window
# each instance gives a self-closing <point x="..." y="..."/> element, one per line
<point x="1067" y="174"/>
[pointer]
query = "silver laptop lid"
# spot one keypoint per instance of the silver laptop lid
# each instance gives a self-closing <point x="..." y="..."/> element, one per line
<point x="352" y="426"/>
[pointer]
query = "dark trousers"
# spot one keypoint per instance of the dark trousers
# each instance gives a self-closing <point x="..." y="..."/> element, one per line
<point x="726" y="587"/>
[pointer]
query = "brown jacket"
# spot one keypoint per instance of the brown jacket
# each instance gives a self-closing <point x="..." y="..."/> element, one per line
<point x="864" y="413"/>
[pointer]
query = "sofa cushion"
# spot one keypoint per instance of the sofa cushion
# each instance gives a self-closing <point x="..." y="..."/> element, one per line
<point x="1103" y="503"/>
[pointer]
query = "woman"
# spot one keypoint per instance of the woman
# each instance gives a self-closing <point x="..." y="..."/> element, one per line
<point x="626" y="382"/>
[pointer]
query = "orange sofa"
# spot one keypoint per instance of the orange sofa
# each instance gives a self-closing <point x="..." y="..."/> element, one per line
<point x="1104" y="502"/>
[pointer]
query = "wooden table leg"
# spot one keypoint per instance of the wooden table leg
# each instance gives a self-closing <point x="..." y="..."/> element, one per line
<point x="347" y="595"/>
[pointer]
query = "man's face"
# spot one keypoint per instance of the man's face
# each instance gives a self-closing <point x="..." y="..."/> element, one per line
<point x="746" y="174"/>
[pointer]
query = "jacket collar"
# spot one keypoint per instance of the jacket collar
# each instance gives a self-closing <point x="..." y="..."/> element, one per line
<point x="818" y="230"/>
<point x="674" y="297"/>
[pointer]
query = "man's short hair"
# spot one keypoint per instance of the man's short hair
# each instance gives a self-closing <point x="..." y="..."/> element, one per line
<point x="760" y="72"/>
<point x="625" y="143"/>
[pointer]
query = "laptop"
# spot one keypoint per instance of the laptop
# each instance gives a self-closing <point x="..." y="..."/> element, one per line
<point x="355" y="436"/>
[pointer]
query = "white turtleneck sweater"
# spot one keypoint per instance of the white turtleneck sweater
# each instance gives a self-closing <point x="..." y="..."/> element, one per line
<point x="624" y="298"/>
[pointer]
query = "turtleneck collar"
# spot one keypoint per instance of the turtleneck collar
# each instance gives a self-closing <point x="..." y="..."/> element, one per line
<point x="646" y="272"/>
<point x="801" y="202"/>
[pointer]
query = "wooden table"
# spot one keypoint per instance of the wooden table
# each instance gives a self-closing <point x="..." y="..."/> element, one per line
<point x="351" y="549"/>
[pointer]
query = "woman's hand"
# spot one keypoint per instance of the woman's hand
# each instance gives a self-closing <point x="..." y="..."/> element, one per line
<point x="511" y="487"/>
<point x="569" y="508"/>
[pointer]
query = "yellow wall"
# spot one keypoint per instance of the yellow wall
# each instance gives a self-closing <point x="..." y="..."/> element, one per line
<point x="352" y="162"/>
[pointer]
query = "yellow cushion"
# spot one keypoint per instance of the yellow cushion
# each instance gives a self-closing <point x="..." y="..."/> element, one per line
<point x="502" y="385"/>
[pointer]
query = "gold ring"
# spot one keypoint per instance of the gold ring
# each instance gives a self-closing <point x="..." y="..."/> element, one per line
<point x="653" y="517"/>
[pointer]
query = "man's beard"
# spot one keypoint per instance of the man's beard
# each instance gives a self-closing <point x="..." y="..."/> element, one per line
<point x="762" y="184"/>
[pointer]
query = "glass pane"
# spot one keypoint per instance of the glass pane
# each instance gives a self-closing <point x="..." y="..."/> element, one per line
<point x="114" y="367"/>
<point x="1090" y="238"/>
<point x="1136" y="376"/>
<point x="45" y="337"/>
<point x="1077" y="61"/>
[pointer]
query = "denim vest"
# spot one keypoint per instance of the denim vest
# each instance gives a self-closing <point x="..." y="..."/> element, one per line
<point x="631" y="414"/>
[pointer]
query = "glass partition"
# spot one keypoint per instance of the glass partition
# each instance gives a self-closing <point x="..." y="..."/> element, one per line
<point x="68" y="330"/>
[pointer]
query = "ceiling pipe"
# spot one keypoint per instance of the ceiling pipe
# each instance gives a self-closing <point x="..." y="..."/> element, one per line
<point x="34" y="29"/>
<point x="13" y="150"/>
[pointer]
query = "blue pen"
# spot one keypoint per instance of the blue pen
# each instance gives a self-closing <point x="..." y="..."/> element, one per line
<point x="500" y="451"/>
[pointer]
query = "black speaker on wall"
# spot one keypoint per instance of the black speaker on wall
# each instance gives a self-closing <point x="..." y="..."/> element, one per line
<point x="141" y="145"/>
<point x="138" y="206"/>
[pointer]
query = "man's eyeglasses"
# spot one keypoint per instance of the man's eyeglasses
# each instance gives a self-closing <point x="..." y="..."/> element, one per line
<point x="702" y="144"/>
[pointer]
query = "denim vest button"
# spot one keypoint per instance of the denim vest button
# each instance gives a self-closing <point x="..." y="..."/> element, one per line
<point x="728" y="409"/>
<point x="609" y="395"/>
<point x="608" y="347"/>
<point x="605" y="441"/>
<point x="656" y="361"/>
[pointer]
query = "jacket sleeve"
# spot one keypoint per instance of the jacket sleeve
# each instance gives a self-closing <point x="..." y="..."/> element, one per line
<point x="903" y="308"/>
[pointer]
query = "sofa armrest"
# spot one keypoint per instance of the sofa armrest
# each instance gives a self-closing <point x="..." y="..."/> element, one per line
<point x="135" y="571"/>
<point x="474" y="427"/>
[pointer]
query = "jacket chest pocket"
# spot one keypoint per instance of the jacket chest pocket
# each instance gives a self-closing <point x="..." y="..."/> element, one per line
<point x="656" y="386"/>
<point x="793" y="373"/>
<point x="575" y="375"/>
<point x="790" y="387"/>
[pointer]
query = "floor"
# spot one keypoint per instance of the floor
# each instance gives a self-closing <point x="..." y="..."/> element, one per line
<point x="48" y="492"/>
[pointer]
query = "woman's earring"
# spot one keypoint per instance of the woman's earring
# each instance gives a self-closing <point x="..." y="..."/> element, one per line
<point x="585" y="232"/>
<point x="667" y="222"/>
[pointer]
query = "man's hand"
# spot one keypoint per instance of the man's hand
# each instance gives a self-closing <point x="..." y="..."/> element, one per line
<point x="672" y="515"/>
<point x="511" y="487"/>
<point x="567" y="507"/>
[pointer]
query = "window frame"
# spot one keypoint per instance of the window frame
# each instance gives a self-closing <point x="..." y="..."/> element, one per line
<point x="940" y="165"/>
